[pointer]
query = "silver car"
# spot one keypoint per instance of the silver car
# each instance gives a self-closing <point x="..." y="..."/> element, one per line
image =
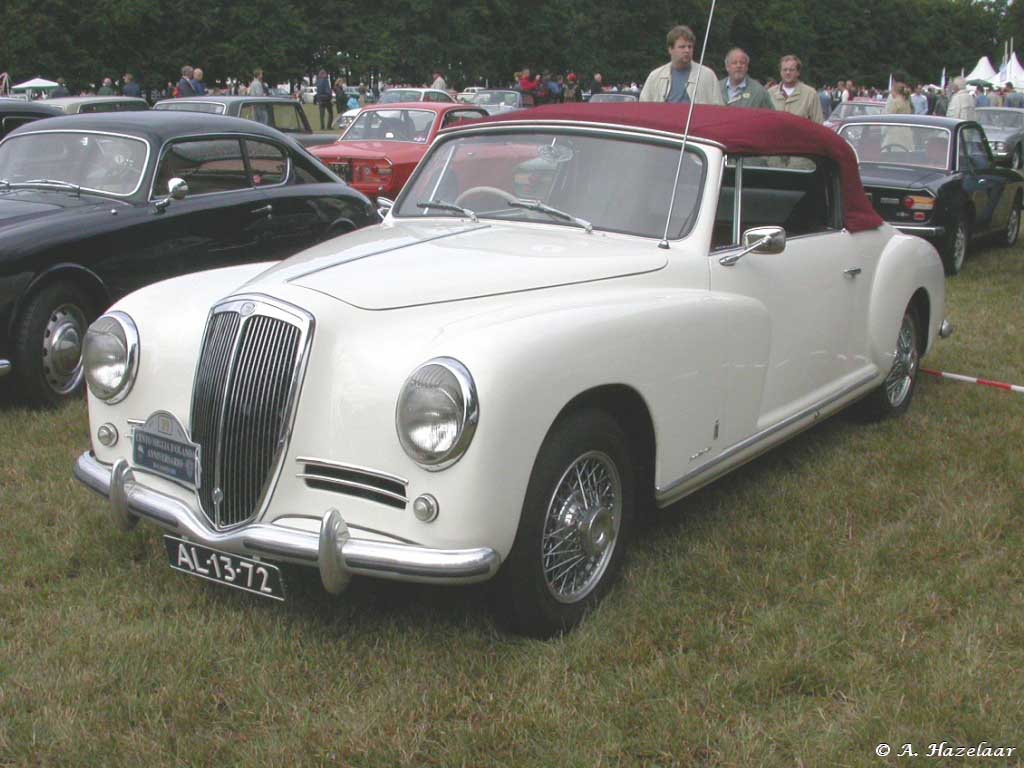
<point x="1004" y="128"/>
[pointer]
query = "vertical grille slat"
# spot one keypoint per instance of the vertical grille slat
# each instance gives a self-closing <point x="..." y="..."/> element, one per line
<point x="244" y="384"/>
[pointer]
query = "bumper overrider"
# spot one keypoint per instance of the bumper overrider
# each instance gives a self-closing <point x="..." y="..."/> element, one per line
<point x="333" y="551"/>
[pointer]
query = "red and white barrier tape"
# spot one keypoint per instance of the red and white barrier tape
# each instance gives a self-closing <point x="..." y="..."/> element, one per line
<point x="972" y="380"/>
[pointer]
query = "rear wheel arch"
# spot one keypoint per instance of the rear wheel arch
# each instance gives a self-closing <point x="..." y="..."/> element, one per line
<point x="922" y="306"/>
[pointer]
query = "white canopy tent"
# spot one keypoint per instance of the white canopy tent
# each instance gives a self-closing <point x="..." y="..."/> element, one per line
<point x="1011" y="72"/>
<point x="983" y="70"/>
<point x="35" y="84"/>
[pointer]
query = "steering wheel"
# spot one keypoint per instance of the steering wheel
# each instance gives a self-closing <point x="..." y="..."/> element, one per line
<point x="507" y="197"/>
<point x="894" y="148"/>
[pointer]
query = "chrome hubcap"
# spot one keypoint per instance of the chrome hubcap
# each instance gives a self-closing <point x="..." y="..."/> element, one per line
<point x="1013" y="225"/>
<point x="581" y="526"/>
<point x="62" y="348"/>
<point x="904" y="366"/>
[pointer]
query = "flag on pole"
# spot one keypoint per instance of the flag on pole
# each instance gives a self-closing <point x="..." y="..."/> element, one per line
<point x="890" y="83"/>
<point x="942" y="82"/>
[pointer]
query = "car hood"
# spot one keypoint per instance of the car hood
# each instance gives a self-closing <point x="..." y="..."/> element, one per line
<point x="412" y="264"/>
<point x="24" y="205"/>
<point x="899" y="176"/>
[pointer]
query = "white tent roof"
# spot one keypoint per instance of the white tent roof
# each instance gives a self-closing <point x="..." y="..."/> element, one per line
<point x="37" y="84"/>
<point x="1012" y="72"/>
<point x="982" y="71"/>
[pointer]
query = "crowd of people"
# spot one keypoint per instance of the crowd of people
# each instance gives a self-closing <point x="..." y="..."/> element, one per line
<point x="680" y="80"/>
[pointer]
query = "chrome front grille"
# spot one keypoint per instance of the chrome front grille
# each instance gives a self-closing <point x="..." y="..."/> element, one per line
<point x="245" y="388"/>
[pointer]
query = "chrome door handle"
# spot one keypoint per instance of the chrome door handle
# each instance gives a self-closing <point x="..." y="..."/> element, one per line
<point x="266" y="210"/>
<point x="852" y="271"/>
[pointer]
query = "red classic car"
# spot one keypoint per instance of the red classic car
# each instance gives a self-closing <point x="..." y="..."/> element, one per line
<point x="383" y="145"/>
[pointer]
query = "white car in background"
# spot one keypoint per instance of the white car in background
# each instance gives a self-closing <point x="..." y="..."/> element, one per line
<point x="397" y="95"/>
<point x="501" y="377"/>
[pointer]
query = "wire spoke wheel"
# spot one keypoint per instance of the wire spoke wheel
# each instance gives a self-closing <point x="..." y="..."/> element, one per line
<point x="1013" y="225"/>
<point x="959" y="246"/>
<point x="581" y="526"/>
<point x="904" y="367"/>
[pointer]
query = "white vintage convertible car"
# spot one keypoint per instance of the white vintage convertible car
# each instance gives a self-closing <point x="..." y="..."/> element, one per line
<point x="527" y="352"/>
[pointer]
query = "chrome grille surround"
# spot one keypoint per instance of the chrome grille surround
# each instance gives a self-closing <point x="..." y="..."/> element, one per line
<point x="248" y="377"/>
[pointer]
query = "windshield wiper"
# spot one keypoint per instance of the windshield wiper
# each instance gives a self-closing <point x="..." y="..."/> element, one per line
<point x="48" y="182"/>
<point x="446" y="206"/>
<point x="538" y="206"/>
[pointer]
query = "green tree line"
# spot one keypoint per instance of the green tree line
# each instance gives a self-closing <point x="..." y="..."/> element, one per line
<point x="475" y="42"/>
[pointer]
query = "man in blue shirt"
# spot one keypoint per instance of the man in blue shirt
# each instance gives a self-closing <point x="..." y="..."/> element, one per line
<point x="197" y="82"/>
<point x="131" y="88"/>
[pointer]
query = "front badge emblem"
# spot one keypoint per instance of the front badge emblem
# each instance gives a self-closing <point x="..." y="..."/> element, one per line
<point x="248" y="308"/>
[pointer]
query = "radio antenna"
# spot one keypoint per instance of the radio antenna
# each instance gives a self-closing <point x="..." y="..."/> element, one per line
<point x="686" y="130"/>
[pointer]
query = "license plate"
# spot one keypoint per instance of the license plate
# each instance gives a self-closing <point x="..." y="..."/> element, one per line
<point x="253" y="576"/>
<point x="162" y="446"/>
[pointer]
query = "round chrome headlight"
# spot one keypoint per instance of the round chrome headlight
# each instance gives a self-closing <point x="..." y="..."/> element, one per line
<point x="437" y="413"/>
<point x="111" y="356"/>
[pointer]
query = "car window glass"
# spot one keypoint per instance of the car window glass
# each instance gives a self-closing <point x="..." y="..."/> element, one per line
<point x="261" y="113"/>
<point x="101" y="162"/>
<point x="898" y="144"/>
<point x="268" y="163"/>
<point x="207" y="166"/>
<point x="795" y="193"/>
<point x="392" y="125"/>
<point x="191" y="106"/>
<point x="616" y="184"/>
<point x="103" y="106"/>
<point x="976" y="148"/>
<point x="10" y="123"/>
<point x="131" y="106"/>
<point x="286" y="118"/>
<point x="460" y="116"/>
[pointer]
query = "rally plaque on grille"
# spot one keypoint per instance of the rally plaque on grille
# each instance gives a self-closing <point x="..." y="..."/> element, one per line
<point x="162" y="447"/>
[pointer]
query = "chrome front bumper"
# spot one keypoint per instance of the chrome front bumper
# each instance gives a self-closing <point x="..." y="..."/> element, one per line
<point x="921" y="230"/>
<point x="333" y="551"/>
<point x="5" y="368"/>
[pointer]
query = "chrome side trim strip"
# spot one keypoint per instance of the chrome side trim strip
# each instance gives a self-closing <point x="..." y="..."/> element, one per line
<point x="5" y="368"/>
<point x="358" y="486"/>
<point x="920" y="230"/>
<point x="333" y="551"/>
<point x="352" y="468"/>
<point x="676" y="489"/>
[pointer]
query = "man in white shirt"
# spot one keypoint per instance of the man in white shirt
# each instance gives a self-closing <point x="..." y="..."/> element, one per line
<point x="439" y="82"/>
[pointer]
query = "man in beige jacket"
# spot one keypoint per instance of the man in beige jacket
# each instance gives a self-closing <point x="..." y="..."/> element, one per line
<point x="682" y="80"/>
<point x="793" y="96"/>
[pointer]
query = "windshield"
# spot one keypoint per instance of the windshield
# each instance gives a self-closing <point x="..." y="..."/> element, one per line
<point x="994" y="119"/>
<point x="616" y="184"/>
<point x="191" y="106"/>
<point x="97" y="162"/>
<point x="597" y="98"/>
<point x="395" y="95"/>
<point x="391" y="125"/>
<point x="899" y="144"/>
<point x="847" y="110"/>
<point x="491" y="98"/>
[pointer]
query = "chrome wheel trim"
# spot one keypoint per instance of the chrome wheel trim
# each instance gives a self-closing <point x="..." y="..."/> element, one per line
<point x="1018" y="159"/>
<point x="959" y="246"/>
<point x="581" y="527"/>
<point x="904" y="365"/>
<point x="62" y="348"/>
<point x="1013" y="226"/>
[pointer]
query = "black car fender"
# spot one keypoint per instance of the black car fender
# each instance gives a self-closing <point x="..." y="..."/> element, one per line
<point x="81" y="276"/>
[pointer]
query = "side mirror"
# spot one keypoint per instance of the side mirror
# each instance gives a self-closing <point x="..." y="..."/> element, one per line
<point x="384" y="205"/>
<point x="177" y="189"/>
<point x="767" y="240"/>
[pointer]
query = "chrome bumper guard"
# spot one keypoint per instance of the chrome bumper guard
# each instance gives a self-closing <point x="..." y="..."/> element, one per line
<point x="5" y="368"/>
<point x="921" y="230"/>
<point x="946" y="329"/>
<point x="334" y="552"/>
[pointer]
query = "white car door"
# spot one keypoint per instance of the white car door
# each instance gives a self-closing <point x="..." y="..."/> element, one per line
<point x="805" y="291"/>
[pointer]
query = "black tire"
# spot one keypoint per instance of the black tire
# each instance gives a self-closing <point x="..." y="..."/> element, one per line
<point x="892" y="397"/>
<point x="528" y="581"/>
<point x="956" y="243"/>
<point x="1008" y="238"/>
<point x="47" y="344"/>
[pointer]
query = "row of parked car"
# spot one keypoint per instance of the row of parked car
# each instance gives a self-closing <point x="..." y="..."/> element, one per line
<point x="568" y="315"/>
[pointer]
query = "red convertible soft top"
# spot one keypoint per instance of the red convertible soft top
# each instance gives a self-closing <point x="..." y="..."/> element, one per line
<point x="740" y="131"/>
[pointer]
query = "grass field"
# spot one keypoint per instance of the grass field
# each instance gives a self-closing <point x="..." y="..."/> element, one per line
<point x="860" y="585"/>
